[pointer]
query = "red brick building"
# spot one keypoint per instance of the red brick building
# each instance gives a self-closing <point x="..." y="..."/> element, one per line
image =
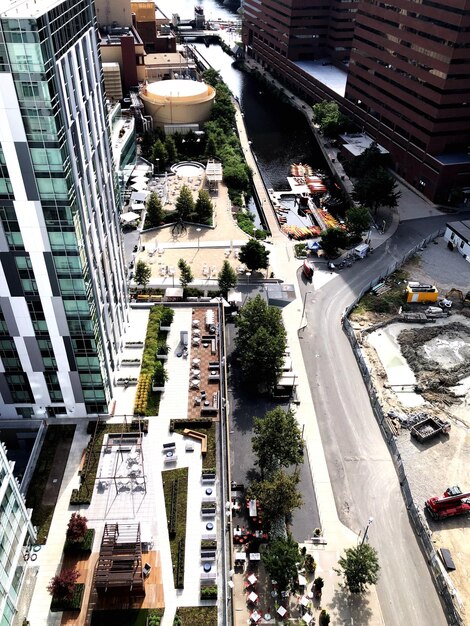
<point x="402" y="72"/>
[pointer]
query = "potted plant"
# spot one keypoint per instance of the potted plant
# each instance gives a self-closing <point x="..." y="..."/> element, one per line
<point x="324" y="618"/>
<point x="318" y="584"/>
<point x="166" y="318"/>
<point x="309" y="564"/>
<point x="162" y="352"/>
<point x="160" y="376"/>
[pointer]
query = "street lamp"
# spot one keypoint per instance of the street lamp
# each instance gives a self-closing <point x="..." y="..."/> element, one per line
<point x="198" y="230"/>
<point x="369" y="522"/>
<point x="157" y="161"/>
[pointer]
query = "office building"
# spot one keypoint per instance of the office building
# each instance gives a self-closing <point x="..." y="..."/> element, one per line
<point x="16" y="534"/>
<point x="62" y="283"/>
<point x="399" y="69"/>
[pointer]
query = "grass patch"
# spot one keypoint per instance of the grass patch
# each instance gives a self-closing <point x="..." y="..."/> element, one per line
<point x="56" y="437"/>
<point x="93" y="451"/>
<point x="130" y="617"/>
<point x="388" y="302"/>
<point x="206" y="427"/>
<point x="200" y="615"/>
<point x="179" y="535"/>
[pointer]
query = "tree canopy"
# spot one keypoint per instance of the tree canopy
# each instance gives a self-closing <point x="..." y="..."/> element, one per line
<point x="159" y="156"/>
<point x="277" y="440"/>
<point x="357" y="220"/>
<point x="278" y="494"/>
<point x="184" y="203"/>
<point x="360" y="567"/>
<point x="143" y="272"/>
<point x="280" y="561"/>
<point x="260" y="342"/>
<point x="254" y="255"/>
<point x="227" y="278"/>
<point x="375" y="189"/>
<point x="155" y="213"/>
<point x="204" y="207"/>
<point x="186" y="275"/>
<point x="330" y="119"/>
<point x="332" y="239"/>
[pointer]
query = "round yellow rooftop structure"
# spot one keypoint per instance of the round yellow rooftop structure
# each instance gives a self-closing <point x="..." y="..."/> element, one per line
<point x="178" y="101"/>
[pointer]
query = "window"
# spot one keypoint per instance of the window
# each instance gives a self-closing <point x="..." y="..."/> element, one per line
<point x="53" y="387"/>
<point x="25" y="411"/>
<point x="19" y="388"/>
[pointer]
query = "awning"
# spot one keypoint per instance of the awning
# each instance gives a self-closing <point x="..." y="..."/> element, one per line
<point x="139" y="196"/>
<point x="130" y="216"/>
<point x="235" y="296"/>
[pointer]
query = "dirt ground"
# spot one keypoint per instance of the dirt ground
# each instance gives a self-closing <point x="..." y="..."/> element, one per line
<point x="438" y="356"/>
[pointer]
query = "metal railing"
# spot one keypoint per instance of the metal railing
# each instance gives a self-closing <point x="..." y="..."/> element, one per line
<point x="443" y="585"/>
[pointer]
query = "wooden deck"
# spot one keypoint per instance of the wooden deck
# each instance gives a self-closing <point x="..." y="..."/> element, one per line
<point x="114" y="600"/>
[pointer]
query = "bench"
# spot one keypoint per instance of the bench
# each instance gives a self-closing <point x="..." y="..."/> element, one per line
<point x="194" y="434"/>
<point x="207" y="554"/>
<point x="209" y="411"/>
<point x="169" y="446"/>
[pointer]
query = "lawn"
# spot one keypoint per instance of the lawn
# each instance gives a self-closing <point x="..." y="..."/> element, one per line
<point x="200" y="615"/>
<point x="168" y="478"/>
<point x="42" y="493"/>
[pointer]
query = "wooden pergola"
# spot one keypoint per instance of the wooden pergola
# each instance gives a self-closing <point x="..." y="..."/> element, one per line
<point x="119" y="564"/>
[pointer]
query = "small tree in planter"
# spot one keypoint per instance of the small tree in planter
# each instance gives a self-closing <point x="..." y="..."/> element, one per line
<point x="318" y="584"/>
<point x="324" y="618"/>
<point x="160" y="376"/>
<point x="310" y="564"/>
<point x="62" y="586"/>
<point x="166" y="318"/>
<point x="162" y="351"/>
<point x="76" y="528"/>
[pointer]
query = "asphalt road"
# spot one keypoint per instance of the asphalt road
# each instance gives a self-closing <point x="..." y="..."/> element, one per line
<point x="363" y="477"/>
<point x="243" y="408"/>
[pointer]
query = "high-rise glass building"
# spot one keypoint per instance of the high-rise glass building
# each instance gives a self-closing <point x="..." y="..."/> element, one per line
<point x="62" y="283"/>
<point x="16" y="531"/>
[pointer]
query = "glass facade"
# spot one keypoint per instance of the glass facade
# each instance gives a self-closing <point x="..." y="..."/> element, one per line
<point x="16" y="531"/>
<point x="67" y="168"/>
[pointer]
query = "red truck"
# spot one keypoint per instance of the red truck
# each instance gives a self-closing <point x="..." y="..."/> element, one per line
<point x="452" y="503"/>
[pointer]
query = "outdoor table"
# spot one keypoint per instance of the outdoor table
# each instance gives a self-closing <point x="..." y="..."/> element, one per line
<point x="252" y="597"/>
<point x="267" y="616"/>
<point x="273" y="593"/>
<point x="255" y="556"/>
<point x="206" y="402"/>
<point x="207" y="567"/>
<point x="209" y="526"/>
<point x="304" y="601"/>
<point x="240" y="556"/>
<point x="195" y="383"/>
<point x="196" y="361"/>
<point x="310" y="594"/>
<point x="208" y="491"/>
<point x="282" y="611"/>
<point x="237" y="532"/>
<point x="252" y="579"/>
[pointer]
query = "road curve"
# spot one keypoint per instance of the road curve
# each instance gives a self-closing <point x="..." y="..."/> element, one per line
<point x="361" y="470"/>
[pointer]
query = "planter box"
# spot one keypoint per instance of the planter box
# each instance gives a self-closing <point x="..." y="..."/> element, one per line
<point x="162" y="357"/>
<point x="134" y="344"/>
<point x="130" y="362"/>
<point x="165" y="328"/>
<point x="156" y="388"/>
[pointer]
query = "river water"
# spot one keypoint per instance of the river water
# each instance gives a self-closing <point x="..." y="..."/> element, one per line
<point x="280" y="134"/>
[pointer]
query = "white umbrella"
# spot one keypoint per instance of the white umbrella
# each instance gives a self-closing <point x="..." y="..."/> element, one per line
<point x="307" y="618"/>
<point x="130" y="216"/>
<point x="222" y="300"/>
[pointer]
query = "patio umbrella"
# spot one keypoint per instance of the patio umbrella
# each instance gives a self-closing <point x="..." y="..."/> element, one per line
<point x="307" y="618"/>
<point x="313" y="245"/>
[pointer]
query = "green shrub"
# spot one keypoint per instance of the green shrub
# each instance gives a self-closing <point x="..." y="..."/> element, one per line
<point x="160" y="375"/>
<point x="209" y="593"/>
<point x="173" y="510"/>
<point x="167" y="316"/>
<point x="72" y="604"/>
<point x="180" y="564"/>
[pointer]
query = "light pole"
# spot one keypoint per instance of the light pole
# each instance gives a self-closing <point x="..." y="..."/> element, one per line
<point x="369" y="522"/>
<point x="303" y="308"/>
<point x="157" y="161"/>
<point x="198" y="230"/>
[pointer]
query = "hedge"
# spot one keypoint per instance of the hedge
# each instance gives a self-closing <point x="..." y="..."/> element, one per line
<point x="180" y="564"/>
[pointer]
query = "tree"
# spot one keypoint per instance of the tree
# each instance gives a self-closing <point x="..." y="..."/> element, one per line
<point x="357" y="220"/>
<point x="62" y="586"/>
<point x="159" y="156"/>
<point x="277" y="440"/>
<point x="142" y="274"/>
<point x="360" y="567"/>
<point x="254" y="255"/>
<point x="204" y="207"/>
<point x="186" y="275"/>
<point x="375" y="189"/>
<point x="332" y="239"/>
<point x="172" y="152"/>
<point x="369" y="160"/>
<point x="260" y="343"/>
<point x="211" y="148"/>
<point x="328" y="116"/>
<point x="278" y="495"/>
<point x="227" y="278"/>
<point x="76" y="528"/>
<point x="155" y="213"/>
<point x="184" y="203"/>
<point x="324" y="618"/>
<point x="280" y="561"/>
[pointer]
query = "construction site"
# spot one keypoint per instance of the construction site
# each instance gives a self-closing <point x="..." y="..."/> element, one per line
<point x="414" y="331"/>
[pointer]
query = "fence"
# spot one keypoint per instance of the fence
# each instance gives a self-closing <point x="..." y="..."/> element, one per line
<point x="421" y="528"/>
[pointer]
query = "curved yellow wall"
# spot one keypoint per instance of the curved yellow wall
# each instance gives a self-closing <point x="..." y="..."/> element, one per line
<point x="178" y="109"/>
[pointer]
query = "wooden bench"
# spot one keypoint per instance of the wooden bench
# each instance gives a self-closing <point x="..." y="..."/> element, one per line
<point x="194" y="434"/>
<point x="82" y="462"/>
